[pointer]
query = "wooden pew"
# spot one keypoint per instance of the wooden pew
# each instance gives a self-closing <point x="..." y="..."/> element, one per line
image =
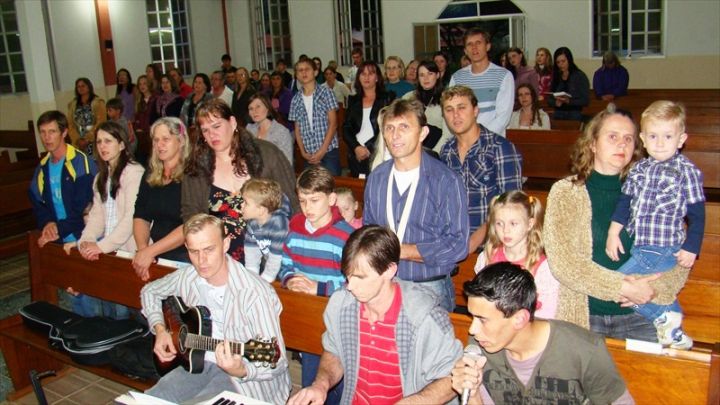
<point x="650" y="378"/>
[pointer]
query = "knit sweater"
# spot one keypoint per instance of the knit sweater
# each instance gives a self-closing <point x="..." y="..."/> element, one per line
<point x="266" y="242"/>
<point x="567" y="237"/>
<point x="316" y="255"/>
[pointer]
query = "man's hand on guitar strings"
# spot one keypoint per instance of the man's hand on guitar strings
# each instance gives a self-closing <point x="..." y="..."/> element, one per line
<point x="164" y="348"/>
<point x="232" y="363"/>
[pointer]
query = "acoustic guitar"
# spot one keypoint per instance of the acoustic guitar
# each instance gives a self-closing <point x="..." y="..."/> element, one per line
<point x="191" y="331"/>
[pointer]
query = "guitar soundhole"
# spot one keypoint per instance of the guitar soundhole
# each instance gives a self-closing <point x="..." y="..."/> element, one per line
<point x="182" y="334"/>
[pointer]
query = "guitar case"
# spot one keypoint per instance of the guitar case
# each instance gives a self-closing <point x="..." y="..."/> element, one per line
<point x="87" y="340"/>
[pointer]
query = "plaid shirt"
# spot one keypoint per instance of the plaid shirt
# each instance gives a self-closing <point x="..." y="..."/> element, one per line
<point x="661" y="192"/>
<point x="492" y="166"/>
<point x="323" y="102"/>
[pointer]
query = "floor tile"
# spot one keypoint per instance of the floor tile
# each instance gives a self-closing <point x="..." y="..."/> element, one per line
<point x="93" y="394"/>
<point x="67" y="385"/>
<point x="66" y="401"/>
<point x="113" y="386"/>
<point x="86" y="375"/>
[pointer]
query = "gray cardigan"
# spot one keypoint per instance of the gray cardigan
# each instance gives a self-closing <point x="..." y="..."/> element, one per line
<point x="425" y="338"/>
<point x="196" y="189"/>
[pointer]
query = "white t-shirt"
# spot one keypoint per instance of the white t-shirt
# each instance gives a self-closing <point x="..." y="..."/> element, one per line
<point x="366" y="130"/>
<point x="403" y="180"/>
<point x="308" y="101"/>
<point x="213" y="297"/>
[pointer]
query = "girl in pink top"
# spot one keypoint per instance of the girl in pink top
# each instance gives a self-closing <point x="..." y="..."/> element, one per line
<point x="515" y="235"/>
<point x="348" y="206"/>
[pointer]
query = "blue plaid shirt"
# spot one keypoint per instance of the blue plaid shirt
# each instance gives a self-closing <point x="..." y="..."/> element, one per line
<point x="661" y="193"/>
<point x="492" y="166"/>
<point x="323" y="102"/>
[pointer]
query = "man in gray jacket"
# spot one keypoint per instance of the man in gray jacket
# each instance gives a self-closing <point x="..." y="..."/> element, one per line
<point x="390" y="339"/>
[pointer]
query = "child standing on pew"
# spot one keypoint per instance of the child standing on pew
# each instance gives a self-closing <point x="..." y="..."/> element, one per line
<point x="266" y="211"/>
<point x="115" y="109"/>
<point x="515" y="226"/>
<point x="313" y="251"/>
<point x="348" y="205"/>
<point x="660" y="191"/>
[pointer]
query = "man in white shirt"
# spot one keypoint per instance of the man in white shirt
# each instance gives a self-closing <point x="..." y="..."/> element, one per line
<point x="219" y="90"/>
<point x="494" y="86"/>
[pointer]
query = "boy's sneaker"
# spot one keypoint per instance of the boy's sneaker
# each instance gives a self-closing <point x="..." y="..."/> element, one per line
<point x="681" y="341"/>
<point x="666" y="325"/>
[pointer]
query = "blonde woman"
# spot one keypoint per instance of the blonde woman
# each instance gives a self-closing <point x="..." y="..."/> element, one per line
<point x="157" y="224"/>
<point x="395" y="77"/>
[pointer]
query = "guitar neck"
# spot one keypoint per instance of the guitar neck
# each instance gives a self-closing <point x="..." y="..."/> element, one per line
<point x="208" y="344"/>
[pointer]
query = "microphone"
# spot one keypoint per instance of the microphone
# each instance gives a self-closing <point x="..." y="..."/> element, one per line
<point x="475" y="353"/>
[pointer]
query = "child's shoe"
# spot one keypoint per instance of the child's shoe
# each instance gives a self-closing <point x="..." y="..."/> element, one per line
<point x="666" y="324"/>
<point x="681" y="341"/>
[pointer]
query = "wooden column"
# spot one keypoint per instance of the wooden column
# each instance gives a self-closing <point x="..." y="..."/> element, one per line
<point x="107" y="50"/>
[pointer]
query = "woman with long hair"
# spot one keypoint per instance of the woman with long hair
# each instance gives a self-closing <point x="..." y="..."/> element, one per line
<point x="157" y="224"/>
<point x="144" y="104"/>
<point x="201" y="93"/>
<point x="241" y="98"/>
<point x="127" y="92"/>
<point x="569" y="79"/>
<point x="265" y="84"/>
<point x="443" y="63"/>
<point x="544" y="69"/>
<point x="168" y="103"/>
<point x="280" y="98"/>
<point x="522" y="73"/>
<point x="85" y="113"/>
<point x="265" y="125"/>
<point x="223" y="158"/>
<point x="153" y="73"/>
<point x="428" y="91"/>
<point x="361" y="129"/>
<point x="529" y="115"/>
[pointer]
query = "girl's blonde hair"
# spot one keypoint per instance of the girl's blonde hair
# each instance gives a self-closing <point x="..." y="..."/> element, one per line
<point x="534" y="210"/>
<point x="155" y="166"/>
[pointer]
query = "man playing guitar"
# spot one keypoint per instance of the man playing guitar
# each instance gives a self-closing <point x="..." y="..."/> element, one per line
<point x="242" y="307"/>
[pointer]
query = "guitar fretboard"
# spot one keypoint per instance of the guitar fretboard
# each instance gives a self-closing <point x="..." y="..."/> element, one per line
<point x="207" y="343"/>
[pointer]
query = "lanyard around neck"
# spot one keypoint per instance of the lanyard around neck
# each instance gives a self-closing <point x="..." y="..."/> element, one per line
<point x="405" y="216"/>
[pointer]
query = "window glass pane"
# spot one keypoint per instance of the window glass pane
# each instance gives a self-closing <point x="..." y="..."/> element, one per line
<point x="638" y="42"/>
<point x="165" y="20"/>
<point x="168" y="52"/>
<point x="459" y="11"/>
<point x="615" y="42"/>
<point x="603" y="5"/>
<point x="13" y="41"/>
<point x="654" y="21"/>
<point x="20" y="83"/>
<point x="638" y="22"/>
<point x="5" y="84"/>
<point x="4" y="68"/>
<point x="10" y="21"/>
<point x="150" y="5"/>
<point x="654" y="45"/>
<point x="154" y="38"/>
<point x="604" y="43"/>
<point x="2" y="43"/>
<point x="276" y="28"/>
<point x="638" y="4"/>
<point x="654" y="5"/>
<point x="152" y="21"/>
<point x="163" y="5"/>
<point x="7" y="5"/>
<point x="155" y="50"/>
<point x="166" y="37"/>
<point x="614" y="5"/>
<point x="604" y="24"/>
<point x="16" y="63"/>
<point x="614" y="22"/>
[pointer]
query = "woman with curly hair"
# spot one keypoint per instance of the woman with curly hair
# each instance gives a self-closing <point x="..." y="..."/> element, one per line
<point x="224" y="157"/>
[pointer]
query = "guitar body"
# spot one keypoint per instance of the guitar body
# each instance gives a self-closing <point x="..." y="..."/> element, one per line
<point x="181" y="320"/>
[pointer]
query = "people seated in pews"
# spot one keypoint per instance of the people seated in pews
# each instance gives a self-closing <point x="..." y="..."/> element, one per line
<point x="85" y="112"/>
<point x="390" y="339"/>
<point x="493" y="83"/>
<point x="395" y="77"/>
<point x="110" y="220"/>
<point x="361" y="130"/>
<point x="544" y="69"/>
<point x="157" y="224"/>
<point x="421" y="200"/>
<point x="429" y="91"/>
<point x="568" y="78"/>
<point x="218" y="87"/>
<point x="348" y="206"/>
<point x="265" y="124"/>
<point x="115" y="113"/>
<point x="579" y="210"/>
<point x="241" y="98"/>
<point x="266" y="211"/>
<point x="515" y="223"/>
<point x="242" y="307"/>
<point x="127" y="92"/>
<point x="488" y="163"/>
<point x="168" y="103"/>
<point x="61" y="187"/>
<point x="411" y="72"/>
<point x="221" y="161"/>
<point x="201" y="93"/>
<point x="528" y="360"/>
<point x="658" y="193"/>
<point x="314" y="111"/>
<point x="313" y="250"/>
<point x="529" y="115"/>
<point x="522" y="73"/>
<point x="611" y="79"/>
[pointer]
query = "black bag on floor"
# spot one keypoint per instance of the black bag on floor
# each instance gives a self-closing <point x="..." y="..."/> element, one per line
<point x="135" y="359"/>
<point x="87" y="340"/>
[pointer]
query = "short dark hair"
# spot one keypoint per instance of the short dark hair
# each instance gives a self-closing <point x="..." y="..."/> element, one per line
<point x="225" y="57"/>
<point x="116" y="104"/>
<point x="53" y="116"/>
<point x="476" y="31"/>
<point x="379" y="245"/>
<point x="356" y="51"/>
<point x="507" y="285"/>
<point x="316" y="179"/>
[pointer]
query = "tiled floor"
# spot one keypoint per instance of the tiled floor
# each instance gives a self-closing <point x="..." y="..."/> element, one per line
<point x="14" y="275"/>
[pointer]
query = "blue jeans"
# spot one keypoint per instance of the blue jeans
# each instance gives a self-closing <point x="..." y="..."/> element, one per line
<point x="89" y="307"/>
<point x="647" y="260"/>
<point x="330" y="161"/>
<point x="631" y="326"/>
<point x="310" y="364"/>
<point x="443" y="288"/>
<point x="180" y="386"/>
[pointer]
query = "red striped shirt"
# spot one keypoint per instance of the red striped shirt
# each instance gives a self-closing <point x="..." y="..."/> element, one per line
<point x="379" y="379"/>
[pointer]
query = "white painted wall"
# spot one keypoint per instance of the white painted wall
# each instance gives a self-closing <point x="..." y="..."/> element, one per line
<point x="128" y="21"/>
<point x="312" y="27"/>
<point x="398" y="18"/>
<point x="239" y="33"/>
<point x="75" y="40"/>
<point x="693" y="28"/>
<point x="206" y="32"/>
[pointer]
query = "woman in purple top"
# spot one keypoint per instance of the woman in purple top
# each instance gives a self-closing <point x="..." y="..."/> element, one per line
<point x="611" y="80"/>
<point x="522" y="73"/>
<point x="126" y="92"/>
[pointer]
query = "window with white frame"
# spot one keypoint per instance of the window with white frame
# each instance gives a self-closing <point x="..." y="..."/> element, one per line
<point x="627" y="27"/>
<point x="169" y="34"/>
<point x="359" y="25"/>
<point x="12" y="70"/>
<point x="271" y="33"/>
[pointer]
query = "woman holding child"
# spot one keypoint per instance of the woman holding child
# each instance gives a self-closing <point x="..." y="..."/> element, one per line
<point x="225" y="156"/>
<point x="579" y="209"/>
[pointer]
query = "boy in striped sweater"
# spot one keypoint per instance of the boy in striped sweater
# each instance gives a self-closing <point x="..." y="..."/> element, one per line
<point x="313" y="249"/>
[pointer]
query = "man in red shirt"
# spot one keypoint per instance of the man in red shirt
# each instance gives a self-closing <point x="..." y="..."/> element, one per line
<point x="407" y="346"/>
